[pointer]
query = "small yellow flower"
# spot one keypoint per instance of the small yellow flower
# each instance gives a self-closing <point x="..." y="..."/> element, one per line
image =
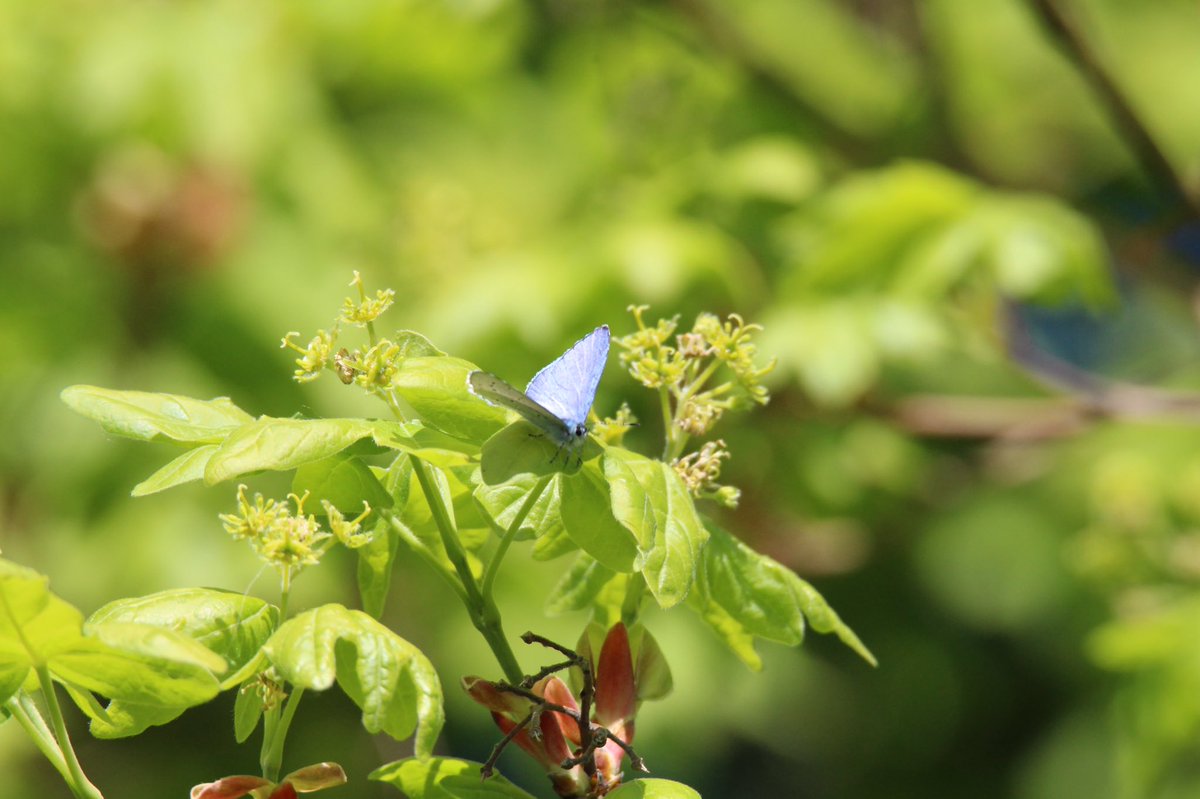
<point x="348" y="532"/>
<point x="314" y="356"/>
<point x="367" y="309"/>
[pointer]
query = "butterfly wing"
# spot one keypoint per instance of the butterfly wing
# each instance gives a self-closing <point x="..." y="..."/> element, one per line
<point x="567" y="386"/>
<point x="496" y="392"/>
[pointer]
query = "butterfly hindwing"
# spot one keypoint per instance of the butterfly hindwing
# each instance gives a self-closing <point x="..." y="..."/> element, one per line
<point x="567" y="386"/>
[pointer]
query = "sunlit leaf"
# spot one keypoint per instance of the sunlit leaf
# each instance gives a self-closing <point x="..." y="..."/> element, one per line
<point x="184" y="469"/>
<point x="282" y="444"/>
<point x="146" y="416"/>
<point x="588" y="519"/>
<point x="743" y="595"/>
<point x="654" y="789"/>
<point x="394" y="685"/>
<point x="342" y="480"/>
<point x="501" y="503"/>
<point x="436" y="388"/>
<point x="445" y="778"/>
<point x="651" y="501"/>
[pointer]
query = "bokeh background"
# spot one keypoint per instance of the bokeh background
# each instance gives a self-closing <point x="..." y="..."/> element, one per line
<point x="966" y="227"/>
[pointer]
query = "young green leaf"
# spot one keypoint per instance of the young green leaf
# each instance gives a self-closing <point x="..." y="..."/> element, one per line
<point x="375" y="561"/>
<point x="650" y="500"/>
<point x="389" y="679"/>
<point x="247" y="710"/>
<point x="344" y="481"/>
<point x="579" y="586"/>
<point x="520" y="450"/>
<point x="553" y="543"/>
<point x="654" y="789"/>
<point x="436" y="388"/>
<point x="412" y="344"/>
<point x="445" y="778"/>
<point x="146" y="416"/>
<point x="412" y="520"/>
<point x="231" y="625"/>
<point x="33" y="624"/>
<point x="501" y="503"/>
<point x="151" y="675"/>
<point x="184" y="469"/>
<point x="743" y="595"/>
<point x="588" y="519"/>
<point x="283" y="444"/>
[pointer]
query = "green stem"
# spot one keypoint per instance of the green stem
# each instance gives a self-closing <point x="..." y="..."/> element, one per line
<point x="664" y="399"/>
<point x="483" y="612"/>
<point x="489" y="575"/>
<point x="272" y="758"/>
<point x="423" y="552"/>
<point x="80" y="785"/>
<point x="26" y="713"/>
<point x="285" y="591"/>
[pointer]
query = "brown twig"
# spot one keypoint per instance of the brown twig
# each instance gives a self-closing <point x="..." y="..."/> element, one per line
<point x="1125" y="118"/>
<point x="725" y="37"/>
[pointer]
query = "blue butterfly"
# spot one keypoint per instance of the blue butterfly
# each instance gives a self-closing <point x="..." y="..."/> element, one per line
<point x="559" y="397"/>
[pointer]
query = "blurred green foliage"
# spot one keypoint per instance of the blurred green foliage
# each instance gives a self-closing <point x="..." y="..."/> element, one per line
<point x="898" y="191"/>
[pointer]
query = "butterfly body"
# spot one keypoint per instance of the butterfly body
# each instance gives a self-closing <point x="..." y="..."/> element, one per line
<point x="559" y="397"/>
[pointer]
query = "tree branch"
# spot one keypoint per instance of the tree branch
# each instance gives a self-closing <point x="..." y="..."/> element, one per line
<point x="1124" y="117"/>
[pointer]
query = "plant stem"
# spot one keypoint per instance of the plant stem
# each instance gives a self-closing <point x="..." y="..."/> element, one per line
<point x="272" y="754"/>
<point x="25" y="711"/>
<point x="489" y="575"/>
<point x="79" y="783"/>
<point x="664" y="399"/>
<point x="483" y="611"/>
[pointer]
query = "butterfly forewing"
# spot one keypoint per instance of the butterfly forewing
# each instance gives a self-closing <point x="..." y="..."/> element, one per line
<point x="567" y="386"/>
<point x="497" y="392"/>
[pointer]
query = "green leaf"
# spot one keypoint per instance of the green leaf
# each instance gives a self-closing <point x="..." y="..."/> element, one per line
<point x="217" y="630"/>
<point x="231" y="625"/>
<point x="184" y="469"/>
<point x="743" y="595"/>
<point x="33" y="624"/>
<point x="413" y="521"/>
<point x="344" y="481"/>
<point x="554" y="543"/>
<point x="588" y="519"/>
<point x="282" y="444"/>
<point x="501" y="503"/>
<point x="445" y="778"/>
<point x="151" y="675"/>
<point x="375" y="561"/>
<point x="414" y="345"/>
<point x="389" y="679"/>
<point x="247" y="710"/>
<point x="520" y="450"/>
<point x="147" y="416"/>
<point x="579" y="587"/>
<point x="654" y="789"/>
<point x="651" y="501"/>
<point x="436" y="389"/>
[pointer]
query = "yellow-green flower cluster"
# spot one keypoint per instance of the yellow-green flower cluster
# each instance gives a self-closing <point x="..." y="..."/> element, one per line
<point x="367" y="309"/>
<point x="314" y="357"/>
<point x="283" y="537"/>
<point x="700" y="471"/>
<point x="612" y="429"/>
<point x="269" y="687"/>
<point x="730" y="342"/>
<point x="647" y="356"/>
<point x="348" y="532"/>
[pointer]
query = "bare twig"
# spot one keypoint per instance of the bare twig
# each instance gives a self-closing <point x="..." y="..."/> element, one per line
<point x="1126" y="119"/>
<point x="729" y="41"/>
